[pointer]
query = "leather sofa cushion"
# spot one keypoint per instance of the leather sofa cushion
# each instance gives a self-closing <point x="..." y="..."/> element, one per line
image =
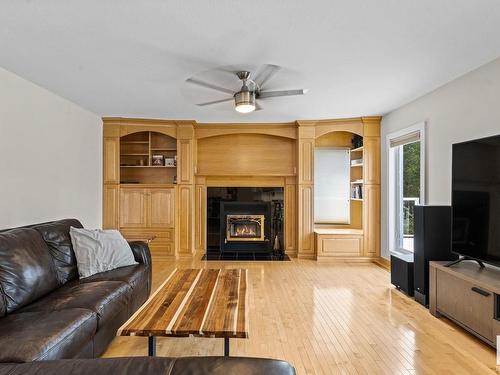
<point x="56" y="235"/>
<point x="231" y="365"/>
<point x="7" y="368"/>
<point x="33" y="336"/>
<point x="137" y="277"/>
<point x="106" y="298"/>
<point x="157" y="366"/>
<point x="134" y="276"/>
<point x="100" y="366"/>
<point x="26" y="268"/>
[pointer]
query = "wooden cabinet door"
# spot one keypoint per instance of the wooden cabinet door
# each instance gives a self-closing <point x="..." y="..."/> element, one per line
<point x="339" y="246"/>
<point x="161" y="207"/>
<point x="133" y="209"/>
<point x="465" y="302"/>
<point x="482" y="307"/>
<point x="451" y="296"/>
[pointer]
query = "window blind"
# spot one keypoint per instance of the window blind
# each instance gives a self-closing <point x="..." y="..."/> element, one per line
<point x="405" y="139"/>
<point x="331" y="186"/>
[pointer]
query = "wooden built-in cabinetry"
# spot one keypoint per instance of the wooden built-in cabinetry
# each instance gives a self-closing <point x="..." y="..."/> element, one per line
<point x="147" y="207"/>
<point x="167" y="203"/>
<point x="339" y="243"/>
<point x="140" y="171"/>
<point x="358" y="240"/>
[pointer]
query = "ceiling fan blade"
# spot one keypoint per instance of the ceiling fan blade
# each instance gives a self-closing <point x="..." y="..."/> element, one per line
<point x="266" y="72"/>
<point x="271" y="94"/>
<point x="215" y="102"/>
<point x="199" y="82"/>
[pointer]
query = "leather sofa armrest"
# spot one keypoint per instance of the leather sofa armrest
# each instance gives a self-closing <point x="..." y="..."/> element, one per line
<point x="143" y="255"/>
<point x="141" y="252"/>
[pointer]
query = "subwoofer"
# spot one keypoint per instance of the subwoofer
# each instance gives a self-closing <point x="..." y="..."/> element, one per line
<point x="432" y="241"/>
<point x="402" y="272"/>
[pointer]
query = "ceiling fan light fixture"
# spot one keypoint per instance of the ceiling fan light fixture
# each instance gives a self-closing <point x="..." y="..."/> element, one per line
<point x="245" y="108"/>
<point x="253" y="88"/>
<point x="244" y="101"/>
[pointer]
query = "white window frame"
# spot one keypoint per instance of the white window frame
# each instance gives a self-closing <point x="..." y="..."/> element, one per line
<point x="393" y="159"/>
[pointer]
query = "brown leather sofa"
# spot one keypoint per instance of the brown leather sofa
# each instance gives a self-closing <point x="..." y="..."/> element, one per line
<point x="46" y="311"/>
<point x="51" y="322"/>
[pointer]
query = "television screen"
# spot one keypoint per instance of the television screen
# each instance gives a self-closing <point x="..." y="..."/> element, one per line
<point x="476" y="199"/>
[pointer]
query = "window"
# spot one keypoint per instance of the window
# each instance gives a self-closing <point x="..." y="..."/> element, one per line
<point x="331" y="186"/>
<point x="406" y="184"/>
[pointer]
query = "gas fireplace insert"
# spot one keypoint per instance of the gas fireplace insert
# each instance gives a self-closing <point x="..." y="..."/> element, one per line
<point x="245" y="227"/>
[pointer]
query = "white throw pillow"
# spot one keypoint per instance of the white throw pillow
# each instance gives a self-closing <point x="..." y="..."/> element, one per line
<point x="99" y="250"/>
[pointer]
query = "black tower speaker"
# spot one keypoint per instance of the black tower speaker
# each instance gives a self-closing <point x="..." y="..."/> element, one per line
<point x="402" y="272"/>
<point x="432" y="241"/>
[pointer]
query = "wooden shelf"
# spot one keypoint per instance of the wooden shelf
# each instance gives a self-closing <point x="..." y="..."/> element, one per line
<point x="356" y="165"/>
<point x="139" y="185"/>
<point x="346" y="231"/>
<point x="357" y="149"/>
<point x="136" y="153"/>
<point x="148" y="166"/>
<point x="357" y="199"/>
<point x="358" y="182"/>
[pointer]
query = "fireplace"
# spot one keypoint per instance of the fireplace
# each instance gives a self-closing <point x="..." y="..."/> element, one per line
<point x="245" y="227"/>
<point x="244" y="222"/>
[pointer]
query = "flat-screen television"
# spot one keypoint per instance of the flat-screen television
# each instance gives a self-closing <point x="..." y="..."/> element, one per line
<point x="476" y="199"/>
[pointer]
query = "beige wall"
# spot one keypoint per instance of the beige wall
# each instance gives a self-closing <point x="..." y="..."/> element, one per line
<point x="466" y="108"/>
<point x="50" y="156"/>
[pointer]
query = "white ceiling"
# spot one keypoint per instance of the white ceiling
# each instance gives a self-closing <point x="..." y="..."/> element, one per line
<point x="356" y="57"/>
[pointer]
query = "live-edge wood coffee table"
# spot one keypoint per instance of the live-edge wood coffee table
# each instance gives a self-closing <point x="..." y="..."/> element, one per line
<point x="194" y="302"/>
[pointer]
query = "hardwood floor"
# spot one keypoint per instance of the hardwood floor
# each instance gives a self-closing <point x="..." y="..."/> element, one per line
<point x="330" y="319"/>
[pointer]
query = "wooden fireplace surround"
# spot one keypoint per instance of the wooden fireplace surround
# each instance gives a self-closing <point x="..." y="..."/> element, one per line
<point x="242" y="155"/>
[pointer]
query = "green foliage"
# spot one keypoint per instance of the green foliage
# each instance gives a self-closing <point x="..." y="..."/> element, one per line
<point x="411" y="168"/>
<point x="411" y="184"/>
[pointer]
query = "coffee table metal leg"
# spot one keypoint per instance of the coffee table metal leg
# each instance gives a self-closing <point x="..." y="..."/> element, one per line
<point x="152" y="346"/>
<point x="226" y="346"/>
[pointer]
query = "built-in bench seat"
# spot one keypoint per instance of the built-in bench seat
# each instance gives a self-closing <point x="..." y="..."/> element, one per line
<point x="338" y="243"/>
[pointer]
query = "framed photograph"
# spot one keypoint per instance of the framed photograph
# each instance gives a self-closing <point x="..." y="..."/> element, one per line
<point x="158" y="160"/>
<point x="170" y="162"/>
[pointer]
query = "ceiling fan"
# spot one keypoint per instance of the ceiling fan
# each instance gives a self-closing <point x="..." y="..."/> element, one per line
<point x="252" y="89"/>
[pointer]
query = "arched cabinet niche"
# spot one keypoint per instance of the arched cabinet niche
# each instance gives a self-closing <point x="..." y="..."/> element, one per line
<point x="361" y="236"/>
<point x="354" y="143"/>
<point x="148" y="157"/>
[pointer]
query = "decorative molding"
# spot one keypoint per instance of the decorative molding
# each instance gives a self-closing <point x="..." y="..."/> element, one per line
<point x="244" y="181"/>
<point x="200" y="217"/>
<point x="185" y="219"/>
<point x="285" y="130"/>
<point x="111" y="160"/>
